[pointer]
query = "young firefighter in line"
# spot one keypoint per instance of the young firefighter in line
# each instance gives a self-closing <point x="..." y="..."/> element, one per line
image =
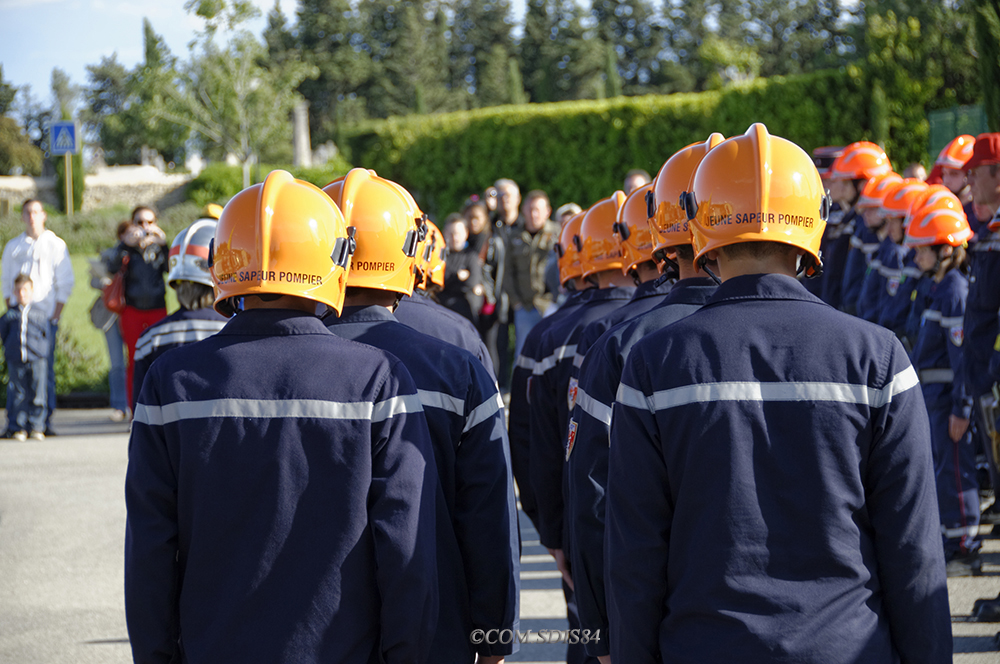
<point x="904" y="278"/>
<point x="519" y="416"/>
<point x="281" y="484"/>
<point x="850" y="172"/>
<point x="631" y="230"/>
<point x="770" y="485"/>
<point x="550" y="405"/>
<point x="939" y="232"/>
<point x="950" y="165"/>
<point x="893" y="203"/>
<point x="587" y="449"/>
<point x="196" y="319"/>
<point x="421" y="312"/>
<point x="981" y="327"/>
<point x="478" y="557"/>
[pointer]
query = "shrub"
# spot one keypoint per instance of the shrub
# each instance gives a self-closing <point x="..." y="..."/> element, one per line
<point x="580" y="150"/>
<point x="219" y="182"/>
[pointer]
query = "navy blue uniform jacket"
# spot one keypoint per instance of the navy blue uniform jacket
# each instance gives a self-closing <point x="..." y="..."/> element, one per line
<point x="648" y="294"/>
<point x="837" y="244"/>
<point x="981" y="309"/>
<point x="281" y="494"/>
<point x="184" y="326"/>
<point x="939" y="345"/>
<point x="477" y="524"/>
<point x="587" y="454"/>
<point x="25" y="334"/>
<point x="864" y="243"/>
<point x="550" y="407"/>
<point x="771" y="494"/>
<point x="519" y="417"/>
<point x="899" y="286"/>
<point x="423" y="314"/>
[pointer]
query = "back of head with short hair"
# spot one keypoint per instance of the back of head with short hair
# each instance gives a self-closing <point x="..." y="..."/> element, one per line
<point x="22" y="278"/>
<point x="757" y="250"/>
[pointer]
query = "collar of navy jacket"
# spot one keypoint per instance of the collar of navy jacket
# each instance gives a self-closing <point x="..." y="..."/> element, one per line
<point x="273" y="322"/>
<point x="761" y="287"/>
<point x="652" y="288"/>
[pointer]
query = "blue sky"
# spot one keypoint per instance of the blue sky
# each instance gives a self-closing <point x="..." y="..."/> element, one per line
<point x="37" y="35"/>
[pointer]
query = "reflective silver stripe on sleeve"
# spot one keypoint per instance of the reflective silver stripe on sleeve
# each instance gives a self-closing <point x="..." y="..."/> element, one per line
<point x="931" y="314"/>
<point x="599" y="411"/>
<point x="262" y="408"/>
<point x="856" y="242"/>
<point x="552" y="360"/>
<point x="914" y="272"/>
<point x="483" y="412"/>
<point x="441" y="400"/>
<point x="398" y="405"/>
<point x="753" y="391"/>
<point x="578" y="360"/>
<point x="967" y="531"/>
<point x="928" y="376"/>
<point x="525" y="363"/>
<point x="951" y="321"/>
<point x="163" y="336"/>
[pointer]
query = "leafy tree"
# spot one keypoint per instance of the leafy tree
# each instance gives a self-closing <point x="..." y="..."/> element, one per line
<point x="7" y="93"/>
<point x="987" y="21"/>
<point x="630" y="27"/>
<point x="560" y="59"/>
<point x="327" y="34"/>
<point x="477" y="29"/>
<point x="65" y="92"/>
<point x="17" y="150"/>
<point x="108" y="100"/>
<point x="281" y="43"/>
<point x="225" y="96"/>
<point x="415" y="74"/>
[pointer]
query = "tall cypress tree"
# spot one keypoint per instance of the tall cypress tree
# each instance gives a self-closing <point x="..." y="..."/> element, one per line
<point x="987" y="21"/>
<point x="477" y="29"/>
<point x="630" y="27"/>
<point x="326" y="33"/>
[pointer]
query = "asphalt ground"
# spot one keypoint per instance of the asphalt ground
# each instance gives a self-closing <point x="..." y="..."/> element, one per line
<point x="62" y="521"/>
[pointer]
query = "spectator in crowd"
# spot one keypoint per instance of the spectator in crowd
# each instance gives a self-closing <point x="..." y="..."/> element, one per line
<point x="24" y="330"/>
<point x="463" y="274"/>
<point x="506" y="222"/>
<point x="527" y="254"/>
<point x="477" y="219"/>
<point x="110" y="324"/>
<point x="635" y="179"/>
<point x="43" y="256"/>
<point x="143" y="252"/>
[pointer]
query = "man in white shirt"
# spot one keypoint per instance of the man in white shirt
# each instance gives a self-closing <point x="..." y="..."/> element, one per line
<point x="43" y="255"/>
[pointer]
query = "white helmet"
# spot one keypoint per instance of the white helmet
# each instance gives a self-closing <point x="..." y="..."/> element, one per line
<point x="189" y="253"/>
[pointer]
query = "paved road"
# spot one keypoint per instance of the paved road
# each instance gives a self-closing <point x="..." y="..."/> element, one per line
<point x="61" y="535"/>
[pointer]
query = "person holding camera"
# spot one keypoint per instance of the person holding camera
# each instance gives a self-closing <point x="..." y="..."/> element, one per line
<point x="142" y="250"/>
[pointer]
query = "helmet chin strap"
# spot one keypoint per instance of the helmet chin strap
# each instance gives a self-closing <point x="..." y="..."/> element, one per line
<point x="703" y="266"/>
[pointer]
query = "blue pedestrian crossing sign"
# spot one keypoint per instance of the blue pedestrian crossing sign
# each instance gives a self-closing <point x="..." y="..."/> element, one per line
<point x="64" y="138"/>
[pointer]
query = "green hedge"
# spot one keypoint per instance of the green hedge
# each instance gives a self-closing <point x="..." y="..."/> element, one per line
<point x="220" y="182"/>
<point x="580" y="151"/>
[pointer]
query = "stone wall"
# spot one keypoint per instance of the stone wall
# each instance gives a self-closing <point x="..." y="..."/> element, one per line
<point x="127" y="185"/>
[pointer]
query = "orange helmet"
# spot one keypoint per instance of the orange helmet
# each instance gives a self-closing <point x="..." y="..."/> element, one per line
<point x="386" y="230"/>
<point x="875" y="189"/>
<point x="669" y="224"/>
<point x="600" y="250"/>
<point x="632" y="229"/>
<point x="899" y="197"/>
<point x="824" y="157"/>
<point x="957" y="152"/>
<point x="940" y="220"/>
<point x="283" y="237"/>
<point x="932" y="195"/>
<point x="757" y="187"/>
<point x="568" y="249"/>
<point x="437" y="258"/>
<point x="860" y="161"/>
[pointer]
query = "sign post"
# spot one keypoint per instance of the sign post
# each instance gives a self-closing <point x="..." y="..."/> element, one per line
<point x="64" y="139"/>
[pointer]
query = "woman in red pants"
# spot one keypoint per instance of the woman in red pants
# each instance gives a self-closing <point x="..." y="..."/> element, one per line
<point x="144" y="247"/>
